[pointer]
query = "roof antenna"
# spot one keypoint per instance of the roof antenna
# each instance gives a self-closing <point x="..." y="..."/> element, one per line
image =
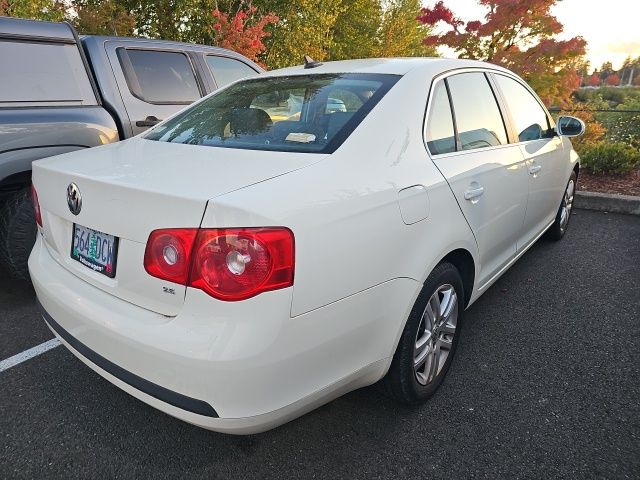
<point x="310" y="62"/>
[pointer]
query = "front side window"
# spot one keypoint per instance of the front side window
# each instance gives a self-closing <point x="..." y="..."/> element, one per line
<point x="529" y="118"/>
<point x="156" y="76"/>
<point x="43" y="72"/>
<point x="302" y="113"/>
<point x="440" y="134"/>
<point x="476" y="111"/>
<point x="227" y="70"/>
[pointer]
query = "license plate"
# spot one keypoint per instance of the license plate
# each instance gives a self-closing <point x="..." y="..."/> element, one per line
<point x="95" y="250"/>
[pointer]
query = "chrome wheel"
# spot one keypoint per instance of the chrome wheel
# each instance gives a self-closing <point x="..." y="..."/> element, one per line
<point x="567" y="205"/>
<point x="434" y="338"/>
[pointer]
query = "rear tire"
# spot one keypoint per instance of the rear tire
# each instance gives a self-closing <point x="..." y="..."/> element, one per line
<point x="428" y="341"/>
<point x="559" y="227"/>
<point x="17" y="233"/>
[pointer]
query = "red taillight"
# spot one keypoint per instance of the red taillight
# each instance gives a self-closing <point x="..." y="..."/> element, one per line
<point x="36" y="205"/>
<point x="168" y="254"/>
<point x="238" y="263"/>
<point x="229" y="264"/>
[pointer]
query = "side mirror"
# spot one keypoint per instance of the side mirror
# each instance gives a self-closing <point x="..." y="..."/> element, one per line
<point x="570" y="126"/>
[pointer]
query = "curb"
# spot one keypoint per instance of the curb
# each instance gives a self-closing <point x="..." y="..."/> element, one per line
<point x="605" y="202"/>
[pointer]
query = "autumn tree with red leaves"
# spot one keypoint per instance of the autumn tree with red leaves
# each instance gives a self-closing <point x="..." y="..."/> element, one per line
<point x="612" y="80"/>
<point x="594" y="80"/>
<point x="518" y="35"/>
<point x="242" y="32"/>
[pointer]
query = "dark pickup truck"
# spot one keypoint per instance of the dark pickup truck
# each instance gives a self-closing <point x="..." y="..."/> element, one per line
<point x="60" y="92"/>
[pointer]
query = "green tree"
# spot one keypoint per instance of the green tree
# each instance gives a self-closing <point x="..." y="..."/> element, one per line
<point x="355" y="31"/>
<point x="342" y="29"/>
<point x="103" y="17"/>
<point x="401" y="34"/>
<point x="605" y="70"/>
<point x="305" y="28"/>
<point x="52" y="10"/>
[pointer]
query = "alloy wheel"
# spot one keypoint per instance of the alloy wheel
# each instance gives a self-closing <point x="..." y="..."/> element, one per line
<point x="434" y="338"/>
<point x="567" y="205"/>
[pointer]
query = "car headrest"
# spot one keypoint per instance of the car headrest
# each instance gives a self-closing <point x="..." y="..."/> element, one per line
<point x="249" y="120"/>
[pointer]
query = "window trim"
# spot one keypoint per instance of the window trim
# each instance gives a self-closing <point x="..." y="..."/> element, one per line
<point x="129" y="73"/>
<point x="506" y="119"/>
<point x="87" y="66"/>
<point x="215" y="81"/>
<point x="15" y="37"/>
<point x="456" y="139"/>
<point x="516" y="138"/>
<point x="512" y="136"/>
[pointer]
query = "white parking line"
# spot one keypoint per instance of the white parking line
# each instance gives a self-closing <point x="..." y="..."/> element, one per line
<point x="27" y="354"/>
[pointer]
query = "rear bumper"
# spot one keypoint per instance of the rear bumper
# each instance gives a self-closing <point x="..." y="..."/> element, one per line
<point x="143" y="385"/>
<point x="241" y="367"/>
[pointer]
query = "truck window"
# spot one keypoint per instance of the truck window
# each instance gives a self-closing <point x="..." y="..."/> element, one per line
<point x="156" y="76"/>
<point x="37" y="72"/>
<point x="226" y="70"/>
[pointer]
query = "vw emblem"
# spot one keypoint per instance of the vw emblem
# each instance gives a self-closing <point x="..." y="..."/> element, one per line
<point x="74" y="199"/>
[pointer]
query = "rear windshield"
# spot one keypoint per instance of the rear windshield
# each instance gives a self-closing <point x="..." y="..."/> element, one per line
<point x="32" y="72"/>
<point x="303" y="113"/>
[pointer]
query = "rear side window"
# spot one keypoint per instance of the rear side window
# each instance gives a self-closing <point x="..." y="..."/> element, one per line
<point x="226" y="70"/>
<point x="476" y="111"/>
<point x="341" y="100"/>
<point x="158" y="76"/>
<point x="43" y="72"/>
<point x="529" y="118"/>
<point x="301" y="113"/>
<point x="440" y="134"/>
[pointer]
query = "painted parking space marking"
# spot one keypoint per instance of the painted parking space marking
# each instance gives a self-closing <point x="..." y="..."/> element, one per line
<point x="27" y="354"/>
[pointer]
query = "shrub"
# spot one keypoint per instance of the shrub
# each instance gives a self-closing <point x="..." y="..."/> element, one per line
<point x="609" y="158"/>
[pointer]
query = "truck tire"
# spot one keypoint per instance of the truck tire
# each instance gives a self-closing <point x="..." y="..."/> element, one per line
<point x="17" y="233"/>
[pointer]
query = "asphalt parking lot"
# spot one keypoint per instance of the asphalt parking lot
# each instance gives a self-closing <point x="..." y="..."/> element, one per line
<point x="546" y="383"/>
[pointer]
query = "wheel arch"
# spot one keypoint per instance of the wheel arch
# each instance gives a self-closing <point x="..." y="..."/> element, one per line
<point x="465" y="264"/>
<point x="16" y="181"/>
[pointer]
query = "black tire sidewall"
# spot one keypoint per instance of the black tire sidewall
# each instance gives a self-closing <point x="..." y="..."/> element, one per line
<point x="403" y="382"/>
<point x="555" y="232"/>
<point x="18" y="232"/>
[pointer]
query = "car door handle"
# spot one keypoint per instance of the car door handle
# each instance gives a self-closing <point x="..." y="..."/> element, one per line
<point x="534" y="169"/>
<point x="472" y="193"/>
<point x="150" y="121"/>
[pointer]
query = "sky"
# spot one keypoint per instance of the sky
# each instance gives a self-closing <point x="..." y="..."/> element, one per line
<point x="610" y="27"/>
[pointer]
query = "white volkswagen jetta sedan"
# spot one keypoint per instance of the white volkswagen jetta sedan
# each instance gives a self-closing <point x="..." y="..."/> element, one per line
<point x="261" y="252"/>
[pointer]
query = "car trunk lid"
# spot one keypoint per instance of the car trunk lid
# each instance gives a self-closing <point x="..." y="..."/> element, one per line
<point x="137" y="186"/>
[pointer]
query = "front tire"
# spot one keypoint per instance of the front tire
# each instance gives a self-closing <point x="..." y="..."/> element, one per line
<point x="559" y="227"/>
<point x="17" y="233"/>
<point x="429" y="339"/>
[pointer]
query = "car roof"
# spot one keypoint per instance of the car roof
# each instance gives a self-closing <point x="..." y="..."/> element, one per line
<point x="156" y="41"/>
<point x="393" y="66"/>
<point x="36" y="29"/>
<point x="141" y="41"/>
